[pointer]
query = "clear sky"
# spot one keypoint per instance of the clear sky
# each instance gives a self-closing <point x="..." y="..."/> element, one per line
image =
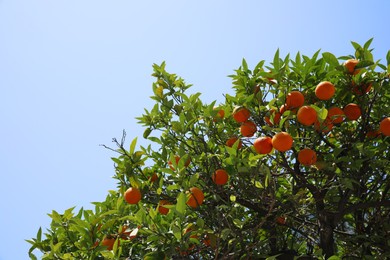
<point x="75" y="73"/>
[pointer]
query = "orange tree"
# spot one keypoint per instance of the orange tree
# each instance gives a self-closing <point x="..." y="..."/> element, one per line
<point x="269" y="172"/>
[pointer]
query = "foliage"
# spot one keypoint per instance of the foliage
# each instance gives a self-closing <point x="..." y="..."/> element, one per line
<point x="272" y="205"/>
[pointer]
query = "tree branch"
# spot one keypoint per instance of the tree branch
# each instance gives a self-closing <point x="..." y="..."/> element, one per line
<point x="364" y="205"/>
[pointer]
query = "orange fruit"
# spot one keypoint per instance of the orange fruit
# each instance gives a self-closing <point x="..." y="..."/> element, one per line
<point x="127" y="234"/>
<point x="272" y="118"/>
<point x="325" y="90"/>
<point x="307" y="156"/>
<point x="207" y="241"/>
<point x="350" y="65"/>
<point x="190" y="230"/>
<point x="109" y="242"/>
<point x="241" y="114"/>
<point x="177" y="159"/>
<point x="248" y="128"/>
<point x="256" y="90"/>
<point x="373" y="134"/>
<point x="282" y="141"/>
<point x="361" y="89"/>
<point x="284" y="108"/>
<point x="132" y="195"/>
<point x="263" y="145"/>
<point x="323" y="127"/>
<point x="220" y="177"/>
<point x="153" y="178"/>
<point x="352" y="111"/>
<point x="384" y="126"/>
<point x="220" y="114"/>
<point x="195" y="198"/>
<point x="95" y="244"/>
<point x="163" y="210"/>
<point x="306" y="115"/>
<point x="336" y="114"/>
<point x="281" y="220"/>
<point x="232" y="140"/>
<point x="294" y="99"/>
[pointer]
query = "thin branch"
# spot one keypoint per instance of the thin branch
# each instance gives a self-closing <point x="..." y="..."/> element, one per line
<point x="364" y="205"/>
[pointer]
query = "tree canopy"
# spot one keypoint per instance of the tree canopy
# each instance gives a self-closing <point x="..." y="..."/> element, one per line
<point x="295" y="164"/>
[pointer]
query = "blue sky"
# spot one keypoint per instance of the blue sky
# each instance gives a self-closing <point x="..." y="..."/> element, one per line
<point x="74" y="74"/>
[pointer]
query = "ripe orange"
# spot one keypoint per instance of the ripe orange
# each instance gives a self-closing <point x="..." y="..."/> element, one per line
<point x="220" y="177"/>
<point x="153" y="178"/>
<point x="325" y="90"/>
<point x="384" y="126"/>
<point x="307" y="156"/>
<point x="132" y="195"/>
<point x="109" y="242"/>
<point x="256" y="90"/>
<point x="350" y="65"/>
<point x="263" y="145"/>
<point x="373" y="134"/>
<point x="272" y="118"/>
<point x="207" y="240"/>
<point x="361" y="89"/>
<point x="281" y="220"/>
<point x="284" y="108"/>
<point x="352" y="111"/>
<point x="324" y="127"/>
<point x="177" y="159"/>
<point x="282" y="141"/>
<point x="336" y="114"/>
<point x="163" y="210"/>
<point x="195" y="198"/>
<point x="294" y="99"/>
<point x="232" y="140"/>
<point x="241" y="114"/>
<point x="220" y="114"/>
<point x="306" y="115"/>
<point x="248" y="128"/>
<point x="190" y="230"/>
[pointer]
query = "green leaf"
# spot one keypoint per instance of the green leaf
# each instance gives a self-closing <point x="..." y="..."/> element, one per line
<point x="141" y="215"/>
<point x="181" y="203"/>
<point x="322" y="114"/>
<point x="173" y="187"/>
<point x="259" y="185"/>
<point x="194" y="179"/>
<point x="176" y="126"/>
<point x="244" y="65"/>
<point x="356" y="45"/>
<point x="276" y="61"/>
<point x="363" y="64"/>
<point x="200" y="223"/>
<point x="39" y="235"/>
<point x="32" y="256"/>
<point x="176" y="232"/>
<point x="388" y="58"/>
<point x="156" y="255"/>
<point x="147" y="132"/>
<point x="116" y="160"/>
<point x="132" y="145"/>
<point x="330" y="59"/>
<point x="56" y="247"/>
<point x="55" y="216"/>
<point x="68" y="214"/>
<point x="367" y="44"/>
